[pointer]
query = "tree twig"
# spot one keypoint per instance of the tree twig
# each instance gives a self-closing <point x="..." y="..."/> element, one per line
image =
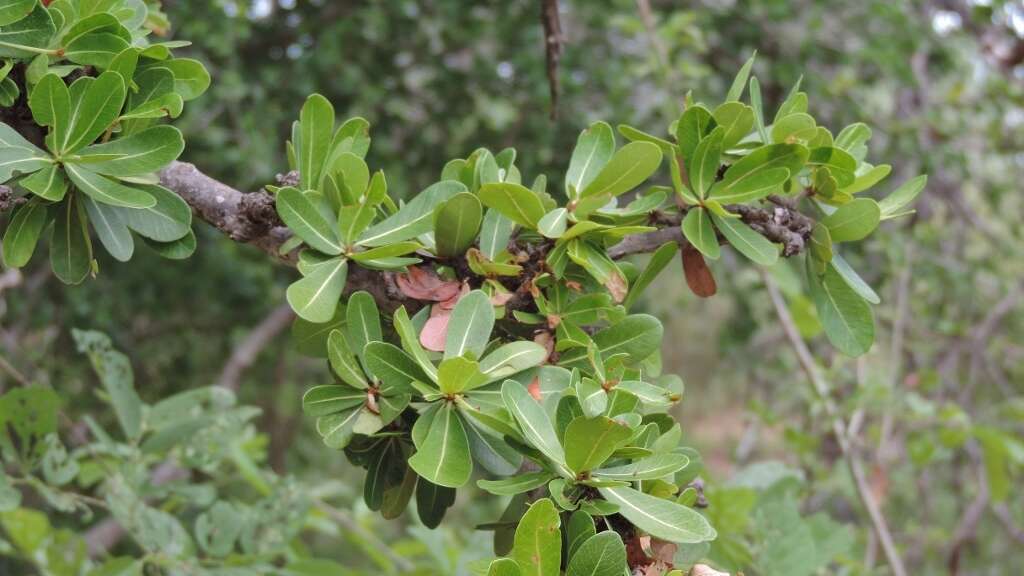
<point x="246" y="353"/>
<point x="820" y="387"/>
<point x="553" y="40"/>
<point x="342" y="517"/>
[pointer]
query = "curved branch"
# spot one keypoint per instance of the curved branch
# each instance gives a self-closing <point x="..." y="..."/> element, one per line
<point x="251" y="218"/>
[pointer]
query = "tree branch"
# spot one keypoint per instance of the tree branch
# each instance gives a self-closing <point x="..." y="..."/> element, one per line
<point x="853" y="462"/>
<point x="246" y="353"/>
<point x="251" y="218"/>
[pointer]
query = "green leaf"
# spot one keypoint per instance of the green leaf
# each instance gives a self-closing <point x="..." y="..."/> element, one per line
<point x="396" y="370"/>
<point x="23" y="231"/>
<point x="591" y="441"/>
<point x="736" y="119"/>
<point x="552" y="225"/>
<point x="28" y="36"/>
<point x="538" y="541"/>
<point x="190" y="76"/>
<point x="411" y="342"/>
<point x="179" y="249"/>
<point x="649" y="468"/>
<point x="736" y="90"/>
<point x="444" y="456"/>
<point x="488" y="446"/>
<point x="344" y="362"/>
<point x="638" y="336"/>
<point x="703" y="165"/>
<point x="103" y="189"/>
<point x="854" y="220"/>
<point x="413" y="219"/>
<point x="634" y="135"/>
<point x="853" y="136"/>
<point x="748" y="242"/>
<point x="868" y="179"/>
<point x="701" y="234"/>
<point x="693" y="126"/>
<point x="755" y="187"/>
<point x="13" y="10"/>
<point x="70" y="249"/>
<point x="304" y="219"/>
<point x="330" y="399"/>
<point x="337" y="429"/>
<point x="456" y="224"/>
<point x="854" y="280"/>
<point x="112" y="232"/>
<point x="514" y="201"/>
<point x="659" y="517"/>
<point x="363" y="318"/>
<point x="837" y="161"/>
<point x="579" y="530"/>
<point x="93" y="111"/>
<point x="593" y="398"/>
<point x="627" y="169"/>
<point x="844" y="315"/>
<point x="18" y="155"/>
<point x="495" y="233"/>
<point x="512" y="358"/>
<point x="92" y="24"/>
<point x="794" y="128"/>
<point x="51" y="106"/>
<point x="167" y="221"/>
<point x="534" y="422"/>
<point x="603" y="554"/>
<point x="49" y="183"/>
<point x="470" y="326"/>
<point x="893" y="204"/>
<point x="115" y="373"/>
<point x="385" y="253"/>
<point x="516" y="484"/>
<point x="758" y="173"/>
<point x="594" y="148"/>
<point x="432" y="501"/>
<point x="755" y="103"/>
<point x="659" y="260"/>
<point x="458" y="374"/>
<point x="315" y="297"/>
<point x="140" y="153"/>
<point x="96" y="49"/>
<point x="317" y="130"/>
<point x="503" y="567"/>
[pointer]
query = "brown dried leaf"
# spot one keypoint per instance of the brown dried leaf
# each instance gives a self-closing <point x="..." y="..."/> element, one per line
<point x="616" y="284"/>
<point x="698" y="275"/>
<point x="422" y="283"/>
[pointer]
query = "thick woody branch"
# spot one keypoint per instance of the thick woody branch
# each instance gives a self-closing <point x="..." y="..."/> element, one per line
<point x="251" y="218"/>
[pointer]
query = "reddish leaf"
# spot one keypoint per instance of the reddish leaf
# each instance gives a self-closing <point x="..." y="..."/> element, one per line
<point x="435" y="331"/>
<point x="501" y="298"/>
<point x="698" y="275"/>
<point x="534" y="389"/>
<point x="423" y="284"/>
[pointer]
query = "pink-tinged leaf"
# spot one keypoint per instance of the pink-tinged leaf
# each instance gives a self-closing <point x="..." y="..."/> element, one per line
<point x="422" y="283"/>
<point x="450" y="303"/>
<point x="534" y="389"/>
<point x="501" y="298"/>
<point x="435" y="331"/>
